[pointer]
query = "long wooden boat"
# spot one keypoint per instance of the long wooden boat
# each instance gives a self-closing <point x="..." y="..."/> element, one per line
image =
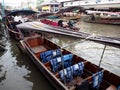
<point x="65" y="70"/>
<point x="56" y="25"/>
<point x="103" y="17"/>
<point x="72" y="17"/>
<point x="11" y="28"/>
<point x="10" y="23"/>
<point x="71" y="13"/>
<point x="14" y="34"/>
<point x="53" y="16"/>
<point x="41" y="27"/>
<point x="104" y="21"/>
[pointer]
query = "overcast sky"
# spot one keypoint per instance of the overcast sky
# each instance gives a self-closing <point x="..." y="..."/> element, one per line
<point x="18" y="1"/>
<point x="13" y="1"/>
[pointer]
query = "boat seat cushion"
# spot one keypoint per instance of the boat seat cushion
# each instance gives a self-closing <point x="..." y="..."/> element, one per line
<point x="48" y="55"/>
<point x="72" y="71"/>
<point x="56" y="63"/>
<point x="97" y="79"/>
<point x="78" y="69"/>
<point x="67" y="74"/>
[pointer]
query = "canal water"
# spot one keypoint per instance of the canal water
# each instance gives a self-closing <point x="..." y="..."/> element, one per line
<point x="17" y="71"/>
<point x="99" y="29"/>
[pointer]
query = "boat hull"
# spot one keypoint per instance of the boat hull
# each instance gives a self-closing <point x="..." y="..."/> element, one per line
<point x="52" y="79"/>
<point x="104" y="21"/>
<point x="30" y="44"/>
<point x="14" y="35"/>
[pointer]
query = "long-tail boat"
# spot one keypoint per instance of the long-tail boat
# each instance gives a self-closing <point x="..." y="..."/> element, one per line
<point x="41" y="27"/>
<point x="103" y="17"/>
<point x="103" y="21"/>
<point x="65" y="70"/>
<point x="10" y="23"/>
<point x="64" y="26"/>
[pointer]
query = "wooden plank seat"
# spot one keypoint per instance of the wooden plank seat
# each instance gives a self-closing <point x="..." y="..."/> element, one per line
<point x="38" y="49"/>
<point x="88" y="82"/>
<point x="76" y="80"/>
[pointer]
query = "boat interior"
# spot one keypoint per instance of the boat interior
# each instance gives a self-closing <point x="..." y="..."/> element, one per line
<point x="109" y="81"/>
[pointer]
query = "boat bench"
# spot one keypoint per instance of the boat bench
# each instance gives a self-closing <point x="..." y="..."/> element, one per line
<point x="111" y="87"/>
<point x="38" y="49"/>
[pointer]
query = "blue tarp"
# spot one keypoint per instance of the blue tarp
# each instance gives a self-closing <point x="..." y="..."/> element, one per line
<point x="48" y="55"/>
<point x="57" y="63"/>
<point x="70" y="72"/>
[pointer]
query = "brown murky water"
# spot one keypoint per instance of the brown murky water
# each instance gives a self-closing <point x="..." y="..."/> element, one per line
<point x="99" y="29"/>
<point x="17" y="71"/>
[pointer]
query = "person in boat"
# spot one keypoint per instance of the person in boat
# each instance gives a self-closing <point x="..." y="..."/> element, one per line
<point x="70" y="24"/>
<point x="12" y="24"/>
<point x="92" y="17"/>
<point x="60" y="23"/>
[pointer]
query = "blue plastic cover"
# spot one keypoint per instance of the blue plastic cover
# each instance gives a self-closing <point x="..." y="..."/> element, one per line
<point x="69" y="72"/>
<point x="97" y="79"/>
<point x="56" y="63"/>
<point x="78" y="69"/>
<point x="48" y="55"/>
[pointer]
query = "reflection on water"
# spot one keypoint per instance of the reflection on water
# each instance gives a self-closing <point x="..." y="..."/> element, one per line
<point x="92" y="52"/>
<point x="17" y="71"/>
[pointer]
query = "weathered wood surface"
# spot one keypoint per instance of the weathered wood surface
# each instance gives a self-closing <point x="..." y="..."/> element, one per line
<point x="40" y="27"/>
